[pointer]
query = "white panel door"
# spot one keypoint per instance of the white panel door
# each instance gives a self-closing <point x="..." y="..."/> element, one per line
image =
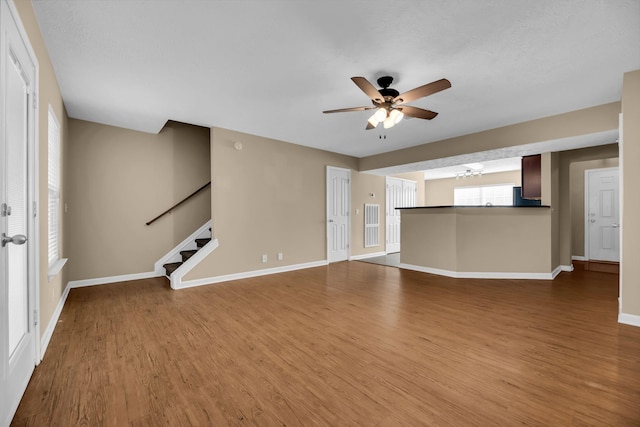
<point x="401" y="193"/>
<point x="394" y="199"/>
<point x="409" y="193"/>
<point x="338" y="206"/>
<point x="603" y="215"/>
<point x="17" y="294"/>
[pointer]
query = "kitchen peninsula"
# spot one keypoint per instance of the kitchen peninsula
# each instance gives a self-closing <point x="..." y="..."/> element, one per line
<point x="478" y="241"/>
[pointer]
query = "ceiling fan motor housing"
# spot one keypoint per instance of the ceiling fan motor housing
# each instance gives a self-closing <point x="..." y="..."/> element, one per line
<point x="384" y="82"/>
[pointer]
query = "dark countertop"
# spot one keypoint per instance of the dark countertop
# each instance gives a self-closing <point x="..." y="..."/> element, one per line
<point x="487" y="207"/>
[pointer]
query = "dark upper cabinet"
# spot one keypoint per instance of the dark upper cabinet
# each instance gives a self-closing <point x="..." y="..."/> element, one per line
<point x="531" y="177"/>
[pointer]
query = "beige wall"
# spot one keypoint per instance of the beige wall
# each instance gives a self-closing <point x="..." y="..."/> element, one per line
<point x="362" y="186"/>
<point x="429" y="238"/>
<point x="48" y="95"/>
<point x="630" y="157"/>
<point x="554" y="202"/>
<point x="267" y="198"/>
<point x="581" y="122"/>
<point x="120" y="179"/>
<point x="439" y="192"/>
<point x="576" y="177"/>
<point x="485" y="240"/>
<point x="567" y="158"/>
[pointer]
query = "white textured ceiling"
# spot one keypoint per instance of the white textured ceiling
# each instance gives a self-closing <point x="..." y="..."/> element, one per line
<point x="270" y="67"/>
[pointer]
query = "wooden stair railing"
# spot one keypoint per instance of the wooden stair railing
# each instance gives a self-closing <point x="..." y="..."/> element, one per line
<point x="179" y="203"/>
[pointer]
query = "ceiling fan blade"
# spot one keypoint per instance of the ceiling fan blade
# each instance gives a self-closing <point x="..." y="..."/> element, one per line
<point x="368" y="89"/>
<point x="369" y="126"/>
<point x="344" y="110"/>
<point x="417" y="112"/>
<point x="422" y="91"/>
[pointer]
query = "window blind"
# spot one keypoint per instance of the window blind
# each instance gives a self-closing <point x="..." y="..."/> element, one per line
<point x="496" y="195"/>
<point x="53" y="178"/>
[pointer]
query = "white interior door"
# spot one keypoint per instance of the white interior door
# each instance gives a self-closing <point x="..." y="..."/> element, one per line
<point x="401" y="193"/>
<point x="409" y="193"/>
<point x="17" y="289"/>
<point x="603" y="214"/>
<point x="393" y="200"/>
<point x="338" y="206"/>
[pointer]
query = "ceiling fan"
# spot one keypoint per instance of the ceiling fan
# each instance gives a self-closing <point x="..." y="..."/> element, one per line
<point x="389" y="103"/>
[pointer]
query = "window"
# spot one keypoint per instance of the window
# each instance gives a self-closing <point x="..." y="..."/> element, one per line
<point x="496" y="195"/>
<point x="54" y="190"/>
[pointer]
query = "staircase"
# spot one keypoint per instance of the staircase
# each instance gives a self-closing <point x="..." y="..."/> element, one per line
<point x="176" y="263"/>
<point x="170" y="267"/>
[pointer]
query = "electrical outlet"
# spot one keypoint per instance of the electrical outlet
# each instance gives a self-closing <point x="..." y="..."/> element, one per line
<point x="264" y="258"/>
<point x="280" y="256"/>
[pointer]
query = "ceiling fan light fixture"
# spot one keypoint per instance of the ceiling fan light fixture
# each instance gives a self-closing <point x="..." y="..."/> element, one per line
<point x="389" y="122"/>
<point x="373" y="121"/>
<point x="381" y="114"/>
<point x="396" y="116"/>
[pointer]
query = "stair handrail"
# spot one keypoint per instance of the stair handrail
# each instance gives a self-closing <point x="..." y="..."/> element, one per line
<point x="179" y="203"/>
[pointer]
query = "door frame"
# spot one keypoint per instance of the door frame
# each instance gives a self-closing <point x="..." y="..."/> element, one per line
<point x="587" y="172"/>
<point x="326" y="220"/>
<point x="33" y="228"/>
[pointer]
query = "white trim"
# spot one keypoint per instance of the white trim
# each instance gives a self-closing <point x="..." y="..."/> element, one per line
<point x="560" y="268"/>
<point x="34" y="177"/>
<point x="56" y="268"/>
<point x="365" y="256"/>
<point x="33" y="158"/>
<point x="249" y="274"/>
<point x="175" y="252"/>
<point x="482" y="274"/>
<point x="579" y="258"/>
<point x="33" y="166"/>
<point x="188" y="265"/>
<point x="111" y="279"/>
<point x="629" y="319"/>
<point x="621" y="201"/>
<point x="46" y="337"/>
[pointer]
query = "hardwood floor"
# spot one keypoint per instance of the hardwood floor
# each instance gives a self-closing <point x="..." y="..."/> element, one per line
<point x="601" y="266"/>
<point x="348" y="344"/>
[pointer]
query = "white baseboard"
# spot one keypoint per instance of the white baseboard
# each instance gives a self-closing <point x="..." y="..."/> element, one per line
<point x="629" y="319"/>
<point x="479" y="274"/>
<point x="430" y="270"/>
<point x="48" y="333"/>
<point x="579" y="258"/>
<point x="111" y="279"/>
<point x="249" y="274"/>
<point x="365" y="256"/>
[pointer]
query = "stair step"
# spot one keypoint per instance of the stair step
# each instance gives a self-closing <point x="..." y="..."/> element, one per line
<point x="187" y="254"/>
<point x="171" y="267"/>
<point x="202" y="242"/>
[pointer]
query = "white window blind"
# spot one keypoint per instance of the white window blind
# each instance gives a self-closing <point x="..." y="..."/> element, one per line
<point x="496" y="195"/>
<point x="54" y="188"/>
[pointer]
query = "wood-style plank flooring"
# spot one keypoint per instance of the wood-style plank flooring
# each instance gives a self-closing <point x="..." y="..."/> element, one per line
<point x="344" y="345"/>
